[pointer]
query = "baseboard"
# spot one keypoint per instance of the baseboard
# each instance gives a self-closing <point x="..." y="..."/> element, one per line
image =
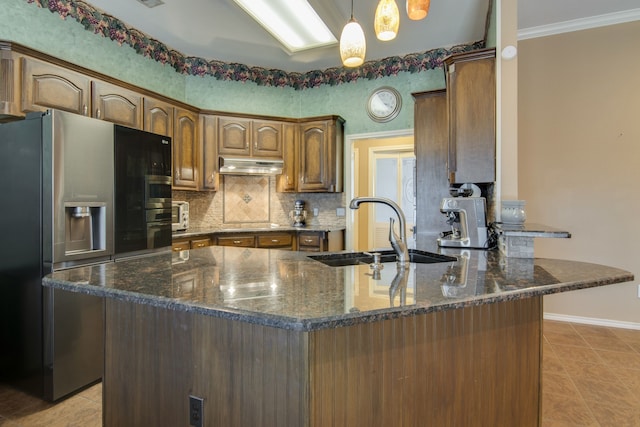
<point x="592" y="321"/>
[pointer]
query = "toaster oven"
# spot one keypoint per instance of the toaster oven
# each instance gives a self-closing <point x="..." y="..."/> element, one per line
<point x="179" y="216"/>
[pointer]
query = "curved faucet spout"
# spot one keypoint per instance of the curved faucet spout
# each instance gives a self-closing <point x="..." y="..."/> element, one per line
<point x="398" y="243"/>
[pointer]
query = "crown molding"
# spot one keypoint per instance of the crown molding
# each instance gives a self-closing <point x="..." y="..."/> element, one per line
<point x="579" y="24"/>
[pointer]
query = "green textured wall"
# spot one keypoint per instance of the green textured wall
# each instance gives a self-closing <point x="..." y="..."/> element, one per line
<point x="42" y="30"/>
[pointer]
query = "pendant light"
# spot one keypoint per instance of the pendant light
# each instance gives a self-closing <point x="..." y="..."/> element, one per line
<point x="352" y="43"/>
<point x="387" y="20"/>
<point x="418" y="9"/>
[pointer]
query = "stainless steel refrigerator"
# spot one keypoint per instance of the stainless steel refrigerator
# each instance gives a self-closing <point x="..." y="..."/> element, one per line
<point x="57" y="178"/>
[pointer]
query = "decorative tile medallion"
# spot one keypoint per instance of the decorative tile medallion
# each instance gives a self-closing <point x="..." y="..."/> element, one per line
<point x="246" y="199"/>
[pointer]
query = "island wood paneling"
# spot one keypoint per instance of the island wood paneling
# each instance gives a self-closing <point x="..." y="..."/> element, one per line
<point x="142" y="344"/>
<point x="477" y="366"/>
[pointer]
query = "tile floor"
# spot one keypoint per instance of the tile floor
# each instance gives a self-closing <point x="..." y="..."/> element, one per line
<point x="591" y="378"/>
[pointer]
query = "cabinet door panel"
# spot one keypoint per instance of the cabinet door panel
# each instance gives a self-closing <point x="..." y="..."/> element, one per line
<point x="49" y="86"/>
<point x="314" y="158"/>
<point x="267" y="139"/>
<point x="210" y="176"/>
<point x="286" y="182"/>
<point x="9" y="84"/>
<point x="472" y="115"/>
<point x="116" y="104"/>
<point x="185" y="150"/>
<point x="158" y="117"/>
<point x="233" y="136"/>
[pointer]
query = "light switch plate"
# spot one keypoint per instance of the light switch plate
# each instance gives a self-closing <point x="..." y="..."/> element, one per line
<point x="315" y="212"/>
<point x="340" y="212"/>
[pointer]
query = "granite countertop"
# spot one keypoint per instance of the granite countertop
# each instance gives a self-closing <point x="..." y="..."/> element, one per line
<point x="288" y="290"/>
<point x="530" y="230"/>
<point x="250" y="228"/>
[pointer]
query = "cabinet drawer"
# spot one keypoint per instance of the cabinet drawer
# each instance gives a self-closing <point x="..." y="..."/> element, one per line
<point x="275" y="241"/>
<point x="200" y="243"/>
<point x="310" y="242"/>
<point x="182" y="245"/>
<point x="241" y="241"/>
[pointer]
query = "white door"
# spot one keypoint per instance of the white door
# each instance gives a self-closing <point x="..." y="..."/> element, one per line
<point x="392" y="177"/>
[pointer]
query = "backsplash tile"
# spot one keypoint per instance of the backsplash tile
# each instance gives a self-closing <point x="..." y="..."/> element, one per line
<point x="228" y="207"/>
<point x="246" y="199"/>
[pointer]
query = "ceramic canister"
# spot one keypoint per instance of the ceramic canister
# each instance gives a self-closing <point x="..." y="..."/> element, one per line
<point x="513" y="212"/>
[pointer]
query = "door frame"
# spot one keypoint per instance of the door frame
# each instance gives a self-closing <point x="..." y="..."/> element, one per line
<point x="350" y="177"/>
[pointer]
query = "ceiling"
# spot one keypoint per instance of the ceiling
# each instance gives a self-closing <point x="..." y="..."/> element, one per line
<point x="221" y="30"/>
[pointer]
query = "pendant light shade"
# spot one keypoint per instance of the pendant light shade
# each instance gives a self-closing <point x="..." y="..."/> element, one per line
<point x="387" y="20"/>
<point x="352" y="43"/>
<point x="418" y="9"/>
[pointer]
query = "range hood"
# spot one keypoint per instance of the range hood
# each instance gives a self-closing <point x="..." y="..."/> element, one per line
<point x="250" y="165"/>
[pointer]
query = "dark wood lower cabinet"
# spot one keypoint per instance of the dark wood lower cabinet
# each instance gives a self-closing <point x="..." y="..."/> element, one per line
<point x="475" y="366"/>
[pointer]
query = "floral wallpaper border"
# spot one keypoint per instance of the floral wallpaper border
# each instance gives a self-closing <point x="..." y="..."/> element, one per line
<point x="95" y="20"/>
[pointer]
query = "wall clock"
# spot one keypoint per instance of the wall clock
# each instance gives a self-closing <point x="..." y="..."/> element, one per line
<point x="384" y="104"/>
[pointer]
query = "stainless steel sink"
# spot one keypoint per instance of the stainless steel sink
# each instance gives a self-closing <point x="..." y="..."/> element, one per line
<point x="355" y="258"/>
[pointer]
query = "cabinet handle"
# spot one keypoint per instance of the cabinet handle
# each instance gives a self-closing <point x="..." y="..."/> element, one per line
<point x="85" y="109"/>
<point x="98" y="113"/>
<point x="308" y="241"/>
<point x="177" y="249"/>
<point x="275" y="241"/>
<point x="236" y="242"/>
<point x="255" y="145"/>
<point x="200" y="245"/>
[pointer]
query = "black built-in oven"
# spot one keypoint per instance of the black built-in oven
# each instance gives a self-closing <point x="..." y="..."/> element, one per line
<point x="142" y="192"/>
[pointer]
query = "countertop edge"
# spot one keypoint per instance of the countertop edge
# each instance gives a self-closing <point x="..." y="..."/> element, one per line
<point x="308" y="325"/>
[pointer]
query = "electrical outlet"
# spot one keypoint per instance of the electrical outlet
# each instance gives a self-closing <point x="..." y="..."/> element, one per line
<point x="315" y="211"/>
<point x="195" y="411"/>
<point x="340" y="212"/>
<point x="638" y="291"/>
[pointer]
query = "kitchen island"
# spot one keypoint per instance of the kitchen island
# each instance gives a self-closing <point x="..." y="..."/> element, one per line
<point x="274" y="338"/>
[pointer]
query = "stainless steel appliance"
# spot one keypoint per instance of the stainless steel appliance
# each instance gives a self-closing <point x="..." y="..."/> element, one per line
<point x="142" y="192"/>
<point x="467" y="218"/>
<point x="57" y="171"/>
<point x="179" y="216"/>
<point x="250" y="165"/>
<point x="77" y="191"/>
<point x="298" y="215"/>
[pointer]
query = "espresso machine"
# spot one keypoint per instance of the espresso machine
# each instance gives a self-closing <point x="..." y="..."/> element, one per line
<point x="298" y="215"/>
<point x="467" y="218"/>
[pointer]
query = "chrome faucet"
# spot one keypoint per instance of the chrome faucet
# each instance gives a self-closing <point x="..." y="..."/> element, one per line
<point x="398" y="243"/>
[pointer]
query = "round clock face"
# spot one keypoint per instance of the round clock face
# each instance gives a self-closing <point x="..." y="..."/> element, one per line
<point x="384" y="104"/>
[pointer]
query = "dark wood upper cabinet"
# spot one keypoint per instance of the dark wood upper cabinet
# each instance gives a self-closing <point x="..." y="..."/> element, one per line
<point x="234" y="135"/>
<point x="209" y="157"/>
<point x="320" y="156"/>
<point x="267" y="139"/>
<point x="471" y="101"/>
<point x="186" y="150"/>
<point x="47" y="86"/>
<point x="158" y="116"/>
<point x="116" y="104"/>
<point x="287" y="181"/>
